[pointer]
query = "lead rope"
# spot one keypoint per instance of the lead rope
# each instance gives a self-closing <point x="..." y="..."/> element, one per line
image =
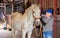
<point x="36" y="28"/>
<point x="36" y="32"/>
<point x="40" y="30"/>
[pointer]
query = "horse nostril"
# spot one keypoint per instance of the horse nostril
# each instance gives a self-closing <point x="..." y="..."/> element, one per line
<point x="37" y="22"/>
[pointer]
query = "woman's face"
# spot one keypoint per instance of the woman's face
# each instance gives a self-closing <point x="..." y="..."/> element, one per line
<point x="48" y="14"/>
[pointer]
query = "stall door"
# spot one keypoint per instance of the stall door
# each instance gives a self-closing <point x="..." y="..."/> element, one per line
<point x="58" y="19"/>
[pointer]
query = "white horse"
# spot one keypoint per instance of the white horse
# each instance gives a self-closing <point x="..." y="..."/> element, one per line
<point x="24" y="22"/>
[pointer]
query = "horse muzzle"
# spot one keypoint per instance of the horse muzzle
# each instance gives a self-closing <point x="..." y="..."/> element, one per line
<point x="37" y="22"/>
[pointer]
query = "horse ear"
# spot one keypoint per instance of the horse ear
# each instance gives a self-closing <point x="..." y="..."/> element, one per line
<point x="39" y="5"/>
<point x="32" y="5"/>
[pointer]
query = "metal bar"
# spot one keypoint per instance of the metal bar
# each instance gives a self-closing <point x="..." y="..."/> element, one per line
<point x="5" y="7"/>
<point x="58" y="21"/>
<point x="1" y="3"/>
<point x="41" y="31"/>
<point x="46" y="4"/>
<point x="1" y="6"/>
<point x="54" y="27"/>
<point x="12" y="5"/>
<point x="41" y="4"/>
<point x="59" y="8"/>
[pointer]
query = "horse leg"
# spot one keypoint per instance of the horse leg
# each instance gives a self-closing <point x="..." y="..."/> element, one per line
<point x="29" y="34"/>
<point x="13" y="33"/>
<point x="23" y="34"/>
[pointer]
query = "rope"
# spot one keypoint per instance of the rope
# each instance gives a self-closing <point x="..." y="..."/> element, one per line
<point x="36" y="32"/>
<point x="40" y="30"/>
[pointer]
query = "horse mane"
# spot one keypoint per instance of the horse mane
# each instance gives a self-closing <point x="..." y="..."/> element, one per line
<point x="16" y="14"/>
<point x="30" y="8"/>
<point x="26" y="11"/>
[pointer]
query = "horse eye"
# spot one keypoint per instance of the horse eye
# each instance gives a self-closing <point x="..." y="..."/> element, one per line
<point x="33" y="12"/>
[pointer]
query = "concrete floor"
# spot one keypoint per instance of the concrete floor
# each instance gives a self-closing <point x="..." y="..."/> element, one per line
<point x="7" y="34"/>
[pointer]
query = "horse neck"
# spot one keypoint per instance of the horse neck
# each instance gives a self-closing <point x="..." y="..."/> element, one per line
<point x="30" y="15"/>
<point x="27" y="10"/>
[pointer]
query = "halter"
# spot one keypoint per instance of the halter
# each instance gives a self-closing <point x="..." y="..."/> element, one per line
<point x="40" y="25"/>
<point x="35" y="17"/>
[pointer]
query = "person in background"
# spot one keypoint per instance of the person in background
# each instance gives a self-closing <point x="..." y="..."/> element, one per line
<point x="48" y="25"/>
<point x="2" y="18"/>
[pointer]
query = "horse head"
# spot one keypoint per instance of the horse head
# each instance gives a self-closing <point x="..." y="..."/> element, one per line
<point x="36" y="11"/>
<point x="36" y="14"/>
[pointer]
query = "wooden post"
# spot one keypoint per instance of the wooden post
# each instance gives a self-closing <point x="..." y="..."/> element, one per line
<point x="54" y="27"/>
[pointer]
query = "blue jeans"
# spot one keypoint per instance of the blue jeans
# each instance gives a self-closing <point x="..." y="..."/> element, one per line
<point x="48" y="34"/>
